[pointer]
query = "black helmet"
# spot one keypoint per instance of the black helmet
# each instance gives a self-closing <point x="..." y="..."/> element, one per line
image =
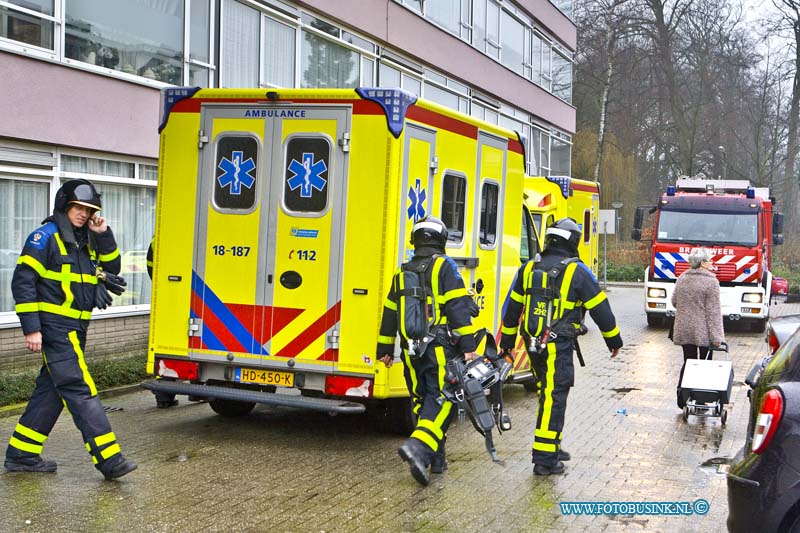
<point x="565" y="234"/>
<point x="429" y="231"/>
<point x="80" y="192"/>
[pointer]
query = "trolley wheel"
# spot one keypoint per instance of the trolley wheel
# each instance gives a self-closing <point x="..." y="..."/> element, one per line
<point x="685" y="413"/>
<point x="724" y="417"/>
<point x="717" y="410"/>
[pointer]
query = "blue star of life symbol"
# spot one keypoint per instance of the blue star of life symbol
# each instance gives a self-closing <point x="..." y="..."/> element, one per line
<point x="416" y="196"/>
<point x="307" y="175"/>
<point x="236" y="172"/>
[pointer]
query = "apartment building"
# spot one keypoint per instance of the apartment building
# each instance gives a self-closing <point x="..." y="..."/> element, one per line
<point x="80" y="82"/>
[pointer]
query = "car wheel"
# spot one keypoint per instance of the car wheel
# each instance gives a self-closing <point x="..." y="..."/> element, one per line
<point x="758" y="326"/>
<point x="231" y="408"/>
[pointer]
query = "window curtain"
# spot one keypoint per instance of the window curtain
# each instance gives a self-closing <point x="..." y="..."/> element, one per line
<point x="240" y="43"/>
<point x="23" y="206"/>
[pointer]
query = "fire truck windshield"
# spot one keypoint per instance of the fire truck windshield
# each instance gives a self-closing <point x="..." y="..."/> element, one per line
<point x="708" y="228"/>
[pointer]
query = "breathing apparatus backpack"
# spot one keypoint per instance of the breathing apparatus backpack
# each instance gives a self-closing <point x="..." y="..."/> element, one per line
<point x="417" y="316"/>
<point x="476" y="387"/>
<point x="543" y="287"/>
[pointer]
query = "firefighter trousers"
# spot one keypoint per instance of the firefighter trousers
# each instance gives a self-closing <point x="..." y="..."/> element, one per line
<point x="425" y="380"/>
<point x="554" y="369"/>
<point x="64" y="381"/>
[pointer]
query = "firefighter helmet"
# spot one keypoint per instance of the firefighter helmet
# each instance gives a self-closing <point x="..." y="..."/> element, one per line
<point x="429" y="231"/>
<point x="565" y="233"/>
<point x="80" y="192"/>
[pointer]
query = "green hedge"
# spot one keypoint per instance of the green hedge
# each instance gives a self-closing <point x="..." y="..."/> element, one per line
<point x="107" y="374"/>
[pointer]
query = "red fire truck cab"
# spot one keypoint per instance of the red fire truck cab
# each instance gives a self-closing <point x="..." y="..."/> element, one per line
<point x="737" y="222"/>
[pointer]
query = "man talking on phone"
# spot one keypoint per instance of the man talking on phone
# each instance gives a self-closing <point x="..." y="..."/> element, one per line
<point x="66" y="269"/>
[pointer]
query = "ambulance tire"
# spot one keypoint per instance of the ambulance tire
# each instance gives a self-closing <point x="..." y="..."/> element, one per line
<point x="231" y="408"/>
<point x="400" y="418"/>
<point x="531" y="386"/>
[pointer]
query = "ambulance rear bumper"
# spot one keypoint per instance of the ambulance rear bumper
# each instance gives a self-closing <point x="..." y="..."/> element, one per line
<point x="326" y="405"/>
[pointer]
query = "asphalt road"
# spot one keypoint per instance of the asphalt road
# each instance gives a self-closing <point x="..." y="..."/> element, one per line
<point x="288" y="470"/>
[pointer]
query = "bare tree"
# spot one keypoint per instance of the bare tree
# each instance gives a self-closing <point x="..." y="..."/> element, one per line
<point x="790" y="16"/>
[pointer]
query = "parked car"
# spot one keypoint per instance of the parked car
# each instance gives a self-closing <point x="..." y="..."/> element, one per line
<point x="764" y="480"/>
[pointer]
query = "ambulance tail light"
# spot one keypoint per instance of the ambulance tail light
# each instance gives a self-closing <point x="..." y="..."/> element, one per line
<point x="172" y="368"/>
<point x="348" y="386"/>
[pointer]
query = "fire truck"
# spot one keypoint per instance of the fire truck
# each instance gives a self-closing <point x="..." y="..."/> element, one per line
<point x="737" y="222"/>
<point x="282" y="215"/>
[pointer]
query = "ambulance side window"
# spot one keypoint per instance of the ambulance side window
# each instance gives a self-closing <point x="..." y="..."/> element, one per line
<point x="587" y="225"/>
<point x="488" y="228"/>
<point x="454" y="194"/>
<point x="529" y="244"/>
<point x="236" y="174"/>
<point x="305" y="186"/>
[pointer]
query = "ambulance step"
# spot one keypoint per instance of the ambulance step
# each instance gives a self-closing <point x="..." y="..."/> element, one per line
<point x="269" y="398"/>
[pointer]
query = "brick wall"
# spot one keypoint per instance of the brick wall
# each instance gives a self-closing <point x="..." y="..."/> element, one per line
<point x="107" y="338"/>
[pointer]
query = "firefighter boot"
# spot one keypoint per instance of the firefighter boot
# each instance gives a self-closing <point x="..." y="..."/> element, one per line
<point x="417" y="455"/>
<point x="563" y="455"/>
<point x="116" y="467"/>
<point x="544" y="470"/>
<point x="29" y="464"/>
<point x="439" y="461"/>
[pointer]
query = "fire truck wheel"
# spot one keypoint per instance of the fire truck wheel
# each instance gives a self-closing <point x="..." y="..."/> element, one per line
<point x="231" y="408"/>
<point x="654" y="321"/>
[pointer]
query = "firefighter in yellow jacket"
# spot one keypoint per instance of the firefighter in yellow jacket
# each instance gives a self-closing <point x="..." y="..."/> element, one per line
<point x="451" y="336"/>
<point x="63" y="272"/>
<point x="573" y="290"/>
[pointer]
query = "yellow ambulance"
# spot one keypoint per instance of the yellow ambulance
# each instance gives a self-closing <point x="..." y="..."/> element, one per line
<point x="282" y="215"/>
<point x="551" y="198"/>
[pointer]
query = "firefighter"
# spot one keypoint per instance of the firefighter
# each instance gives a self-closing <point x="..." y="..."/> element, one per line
<point x="575" y="291"/>
<point x="56" y="284"/>
<point x="453" y="335"/>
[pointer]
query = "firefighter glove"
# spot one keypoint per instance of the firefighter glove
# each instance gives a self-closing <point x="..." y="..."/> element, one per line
<point x="102" y="298"/>
<point x="112" y="282"/>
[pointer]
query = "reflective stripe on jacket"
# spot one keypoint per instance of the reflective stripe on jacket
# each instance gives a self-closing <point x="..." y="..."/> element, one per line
<point x="577" y="289"/>
<point x="54" y="280"/>
<point x="453" y="305"/>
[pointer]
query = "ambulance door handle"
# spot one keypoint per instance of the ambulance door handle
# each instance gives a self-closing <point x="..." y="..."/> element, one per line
<point x="269" y="278"/>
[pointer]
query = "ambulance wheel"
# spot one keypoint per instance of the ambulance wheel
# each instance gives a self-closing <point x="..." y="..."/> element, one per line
<point x="531" y="386"/>
<point x="231" y="408"/>
<point x="724" y="417"/>
<point x="685" y="413"/>
<point x="400" y="417"/>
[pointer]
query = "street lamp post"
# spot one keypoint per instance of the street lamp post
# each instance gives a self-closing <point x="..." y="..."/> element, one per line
<point x="616" y="205"/>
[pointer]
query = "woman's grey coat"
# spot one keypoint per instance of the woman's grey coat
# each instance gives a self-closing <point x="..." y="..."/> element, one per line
<point x="698" y="316"/>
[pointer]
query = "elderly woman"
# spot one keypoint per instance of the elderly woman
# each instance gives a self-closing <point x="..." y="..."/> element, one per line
<point x="698" y="317"/>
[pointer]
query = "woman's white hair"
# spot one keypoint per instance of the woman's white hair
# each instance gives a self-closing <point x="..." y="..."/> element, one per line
<point x="698" y="255"/>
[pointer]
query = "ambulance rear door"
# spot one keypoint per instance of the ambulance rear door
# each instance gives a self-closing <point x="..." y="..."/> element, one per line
<point x="268" y="256"/>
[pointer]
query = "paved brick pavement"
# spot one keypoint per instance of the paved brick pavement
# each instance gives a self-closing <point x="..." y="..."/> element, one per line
<point x="286" y="470"/>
